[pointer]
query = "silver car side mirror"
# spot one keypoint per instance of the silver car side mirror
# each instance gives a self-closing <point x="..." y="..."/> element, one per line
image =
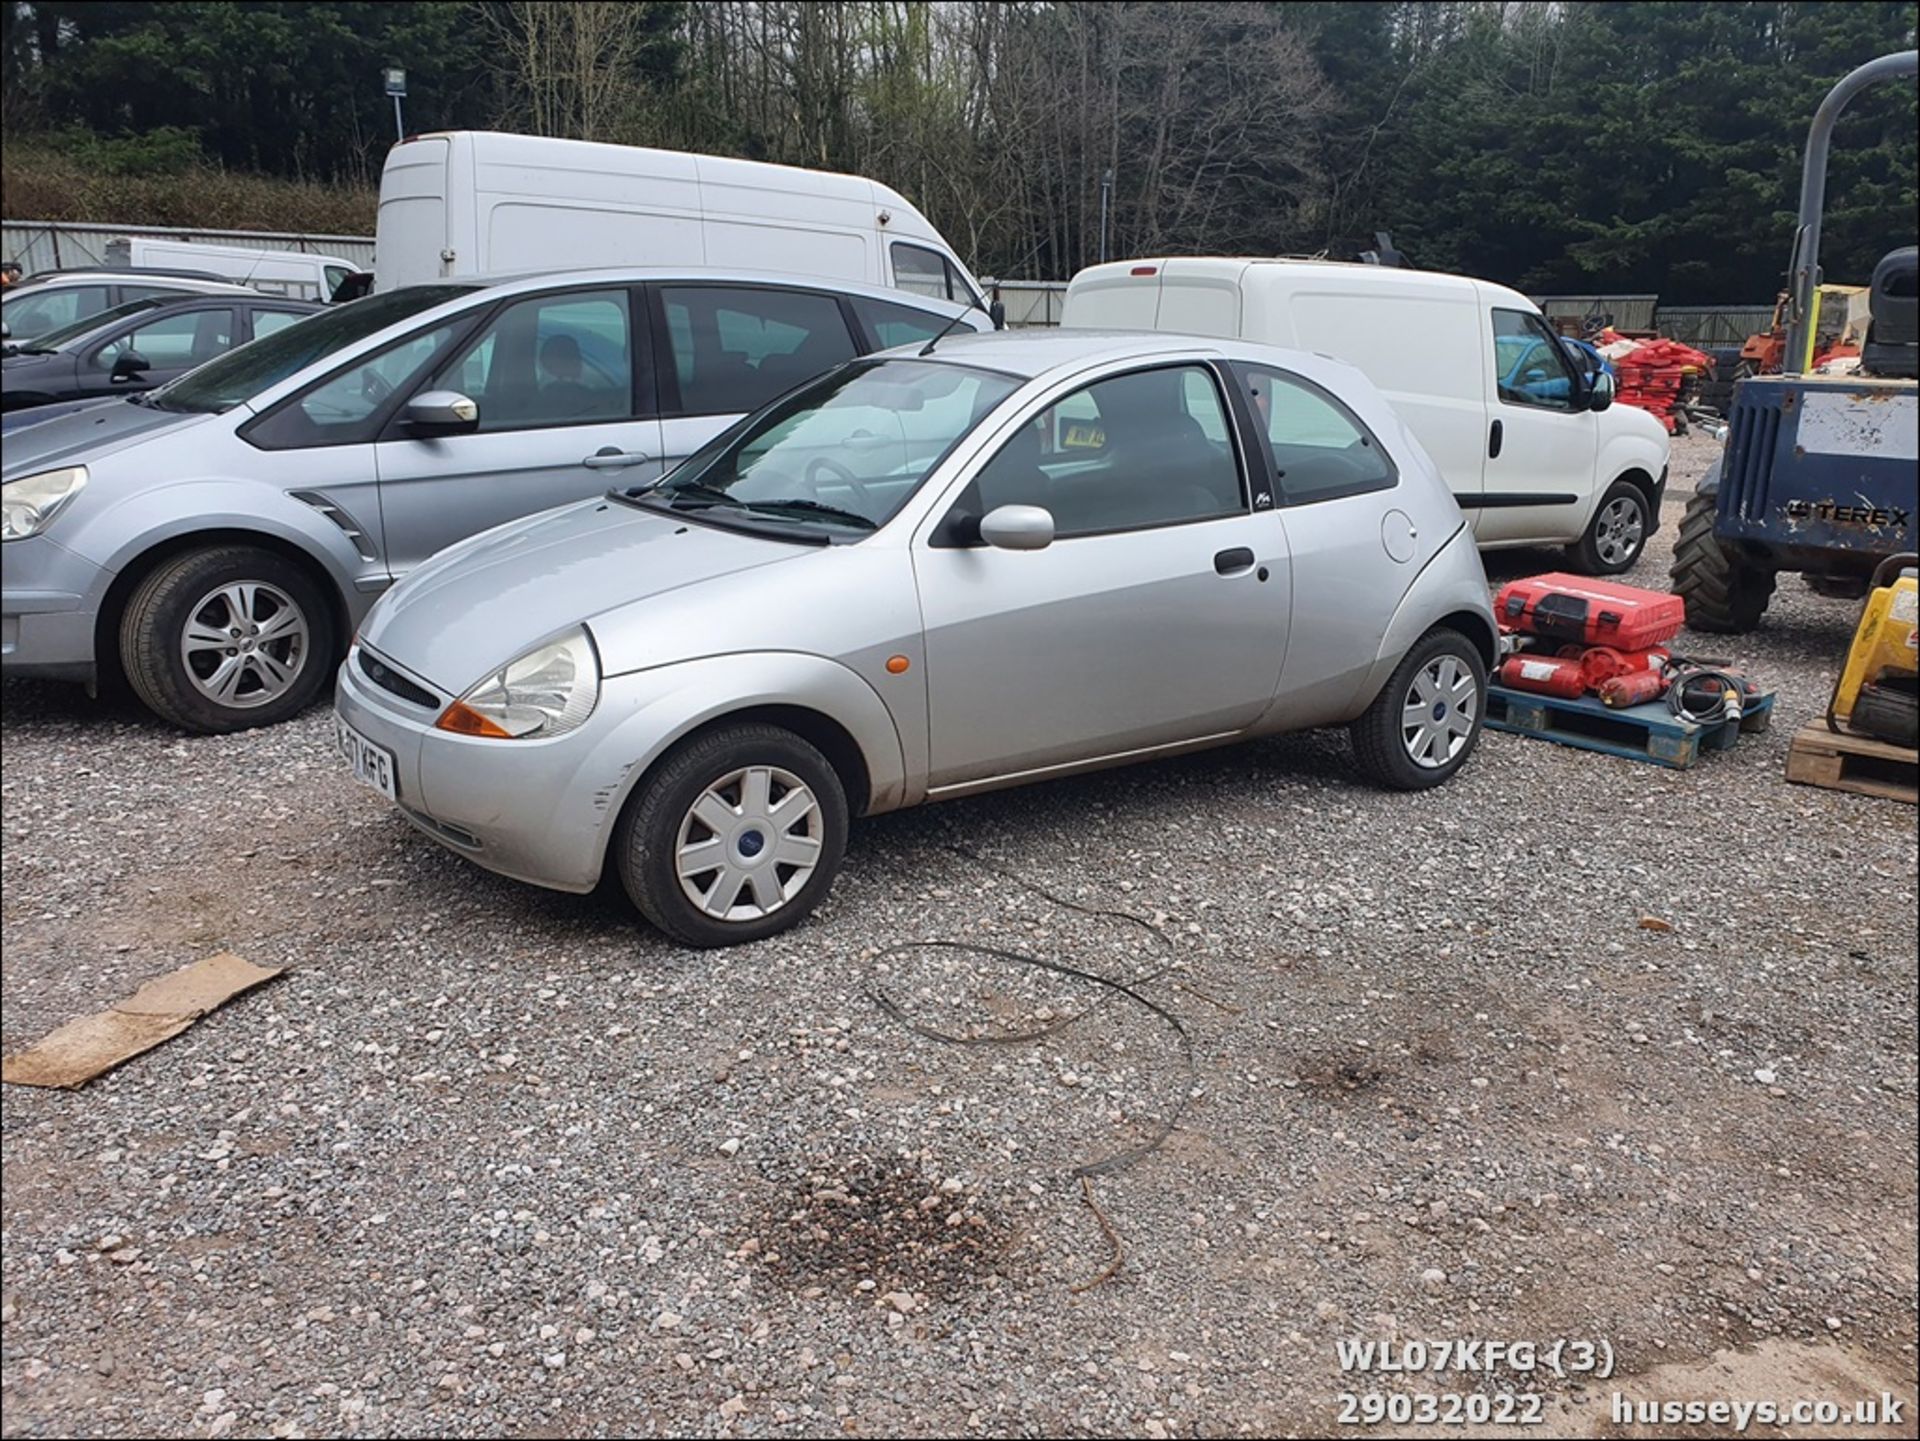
<point x="1017" y="527"/>
<point x="442" y="412"/>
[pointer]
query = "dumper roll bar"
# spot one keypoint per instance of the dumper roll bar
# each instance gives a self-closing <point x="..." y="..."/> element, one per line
<point x="1803" y="270"/>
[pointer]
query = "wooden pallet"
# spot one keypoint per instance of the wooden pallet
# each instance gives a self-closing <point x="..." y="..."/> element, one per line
<point x="1649" y="733"/>
<point x="1818" y="757"/>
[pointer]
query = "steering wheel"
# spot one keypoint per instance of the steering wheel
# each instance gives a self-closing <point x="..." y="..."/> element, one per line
<point x="841" y="474"/>
<point x="374" y="387"/>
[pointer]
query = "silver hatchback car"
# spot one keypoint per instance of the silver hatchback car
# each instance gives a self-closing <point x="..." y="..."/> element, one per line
<point x="944" y="569"/>
<point x="217" y="540"/>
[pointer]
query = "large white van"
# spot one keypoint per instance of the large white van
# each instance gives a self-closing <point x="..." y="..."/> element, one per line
<point x="478" y="202"/>
<point x="295" y="273"/>
<point x="1534" y="452"/>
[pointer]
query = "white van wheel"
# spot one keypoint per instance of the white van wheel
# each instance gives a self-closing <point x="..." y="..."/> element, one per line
<point x="1618" y="532"/>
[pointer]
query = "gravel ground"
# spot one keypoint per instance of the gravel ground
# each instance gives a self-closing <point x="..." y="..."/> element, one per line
<point x="489" y="1160"/>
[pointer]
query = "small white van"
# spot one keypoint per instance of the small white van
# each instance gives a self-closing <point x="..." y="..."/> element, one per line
<point x="294" y="273"/>
<point x="478" y="202"/>
<point x="1534" y="453"/>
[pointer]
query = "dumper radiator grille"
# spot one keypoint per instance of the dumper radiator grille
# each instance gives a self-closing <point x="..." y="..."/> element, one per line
<point x="1749" y="464"/>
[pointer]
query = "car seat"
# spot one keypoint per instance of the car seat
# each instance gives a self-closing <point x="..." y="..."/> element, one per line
<point x="1160" y="465"/>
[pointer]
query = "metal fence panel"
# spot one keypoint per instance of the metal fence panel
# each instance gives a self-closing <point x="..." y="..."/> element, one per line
<point x="1629" y="312"/>
<point x="1712" y="324"/>
<point x="1030" y="302"/>
<point x="54" y="245"/>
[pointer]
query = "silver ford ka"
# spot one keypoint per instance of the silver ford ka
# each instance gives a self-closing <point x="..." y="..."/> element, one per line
<point x="938" y="570"/>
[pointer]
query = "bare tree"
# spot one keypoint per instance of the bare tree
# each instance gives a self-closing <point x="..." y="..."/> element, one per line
<point x="572" y="67"/>
<point x="998" y="118"/>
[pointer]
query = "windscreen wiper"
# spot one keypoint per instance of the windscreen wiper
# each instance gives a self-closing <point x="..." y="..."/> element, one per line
<point x="809" y="507"/>
<point x="711" y="494"/>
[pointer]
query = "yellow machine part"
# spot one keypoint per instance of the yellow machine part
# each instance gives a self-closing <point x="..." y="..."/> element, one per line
<point x="1886" y="641"/>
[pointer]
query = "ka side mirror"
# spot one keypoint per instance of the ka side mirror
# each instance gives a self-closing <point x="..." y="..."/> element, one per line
<point x="442" y="412"/>
<point x="129" y="365"/>
<point x="1017" y="527"/>
<point x="997" y="312"/>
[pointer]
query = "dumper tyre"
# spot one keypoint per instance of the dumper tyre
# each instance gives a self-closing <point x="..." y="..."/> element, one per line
<point x="1724" y="593"/>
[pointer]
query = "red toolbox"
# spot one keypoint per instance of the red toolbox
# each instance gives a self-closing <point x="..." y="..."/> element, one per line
<point x="1580" y="609"/>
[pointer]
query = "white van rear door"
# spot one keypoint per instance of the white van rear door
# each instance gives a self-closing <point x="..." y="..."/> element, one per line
<point x="411" y="231"/>
<point x="1114" y="298"/>
<point x="1197" y="299"/>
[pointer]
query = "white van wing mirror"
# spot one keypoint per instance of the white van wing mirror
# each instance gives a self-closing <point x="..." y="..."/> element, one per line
<point x="1604" y="389"/>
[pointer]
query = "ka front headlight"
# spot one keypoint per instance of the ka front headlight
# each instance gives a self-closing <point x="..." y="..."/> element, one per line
<point x="546" y="692"/>
<point x="33" y="500"/>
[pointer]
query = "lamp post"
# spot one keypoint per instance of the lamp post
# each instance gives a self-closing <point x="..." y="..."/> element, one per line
<point x="396" y="79"/>
<point x="1106" y="201"/>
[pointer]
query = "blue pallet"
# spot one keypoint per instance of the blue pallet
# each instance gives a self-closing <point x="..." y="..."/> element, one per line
<point x="1649" y="733"/>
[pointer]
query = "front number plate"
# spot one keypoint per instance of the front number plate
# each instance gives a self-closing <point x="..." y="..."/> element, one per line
<point x="372" y="764"/>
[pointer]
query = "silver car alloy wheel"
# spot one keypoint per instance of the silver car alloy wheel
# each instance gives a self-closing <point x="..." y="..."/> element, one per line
<point x="1619" y="532"/>
<point x="749" y="843"/>
<point x="244" y="643"/>
<point x="1438" y="716"/>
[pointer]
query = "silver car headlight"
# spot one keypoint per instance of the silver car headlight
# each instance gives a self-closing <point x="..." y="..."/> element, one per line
<point x="33" y="500"/>
<point x="546" y="692"/>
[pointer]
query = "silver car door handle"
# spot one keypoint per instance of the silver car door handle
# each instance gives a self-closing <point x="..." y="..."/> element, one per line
<point x="611" y="459"/>
<point x="1232" y="562"/>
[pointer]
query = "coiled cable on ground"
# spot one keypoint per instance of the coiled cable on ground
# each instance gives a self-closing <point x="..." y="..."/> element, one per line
<point x="1128" y="989"/>
<point x="1706" y="696"/>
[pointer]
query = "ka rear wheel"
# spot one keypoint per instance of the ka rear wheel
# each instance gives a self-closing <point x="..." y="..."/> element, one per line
<point x="1426" y="720"/>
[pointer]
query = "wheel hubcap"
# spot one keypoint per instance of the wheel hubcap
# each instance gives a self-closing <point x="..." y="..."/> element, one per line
<point x="1619" y="531"/>
<point x="244" y="644"/>
<point x="1437" y="719"/>
<point x="749" y="843"/>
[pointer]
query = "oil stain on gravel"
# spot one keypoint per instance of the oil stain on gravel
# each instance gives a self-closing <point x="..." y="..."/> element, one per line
<point x="879" y="1224"/>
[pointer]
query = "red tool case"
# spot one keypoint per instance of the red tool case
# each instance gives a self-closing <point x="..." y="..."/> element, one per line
<point x="1580" y="609"/>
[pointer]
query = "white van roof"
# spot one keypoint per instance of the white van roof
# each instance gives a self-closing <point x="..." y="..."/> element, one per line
<point x="1286" y="272"/>
<point x="232" y="252"/>
<point x="549" y="152"/>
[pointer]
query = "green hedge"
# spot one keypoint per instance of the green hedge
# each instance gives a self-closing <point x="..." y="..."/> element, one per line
<point x="93" y="185"/>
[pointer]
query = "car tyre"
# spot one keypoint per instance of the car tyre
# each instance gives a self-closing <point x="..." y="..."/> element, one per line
<point x="1724" y="593"/>
<point x="762" y="805"/>
<point x="277" y="618"/>
<point x="1616" y="537"/>
<point x="1444" y="678"/>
